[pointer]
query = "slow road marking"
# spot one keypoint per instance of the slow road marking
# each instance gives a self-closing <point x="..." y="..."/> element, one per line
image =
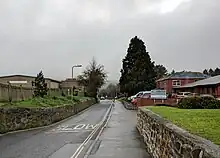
<point x="73" y="128"/>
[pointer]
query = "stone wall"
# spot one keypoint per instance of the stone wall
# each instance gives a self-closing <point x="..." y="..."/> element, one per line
<point x="12" y="119"/>
<point x="129" y="106"/>
<point x="165" y="140"/>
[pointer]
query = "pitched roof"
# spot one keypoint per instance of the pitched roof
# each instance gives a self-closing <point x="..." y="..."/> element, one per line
<point x="209" y="81"/>
<point x="28" y="77"/>
<point x="185" y="75"/>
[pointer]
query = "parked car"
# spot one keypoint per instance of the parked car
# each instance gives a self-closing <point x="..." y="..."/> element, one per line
<point x="192" y="95"/>
<point x="102" y="98"/>
<point x="207" y="95"/>
<point x="183" y="94"/>
<point x="146" y="94"/>
<point x="136" y="95"/>
<point x="142" y="94"/>
<point x="158" y="94"/>
<point x="134" y="101"/>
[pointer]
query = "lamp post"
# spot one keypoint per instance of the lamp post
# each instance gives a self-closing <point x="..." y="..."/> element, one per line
<point x="75" y="66"/>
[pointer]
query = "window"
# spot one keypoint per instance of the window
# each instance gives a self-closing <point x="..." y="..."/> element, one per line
<point x="139" y="94"/>
<point x="176" y="83"/>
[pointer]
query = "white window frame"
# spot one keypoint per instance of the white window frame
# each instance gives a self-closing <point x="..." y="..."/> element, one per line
<point x="174" y="83"/>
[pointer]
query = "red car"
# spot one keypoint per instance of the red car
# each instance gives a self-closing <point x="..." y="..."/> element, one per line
<point x="145" y="94"/>
<point x="134" y="101"/>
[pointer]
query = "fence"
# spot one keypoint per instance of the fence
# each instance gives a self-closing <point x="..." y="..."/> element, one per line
<point x="13" y="93"/>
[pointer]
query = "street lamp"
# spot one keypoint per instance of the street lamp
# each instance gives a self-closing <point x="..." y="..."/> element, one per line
<point x="75" y="66"/>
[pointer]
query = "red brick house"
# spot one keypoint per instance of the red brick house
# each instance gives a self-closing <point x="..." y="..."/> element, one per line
<point x="179" y="79"/>
<point x="206" y="86"/>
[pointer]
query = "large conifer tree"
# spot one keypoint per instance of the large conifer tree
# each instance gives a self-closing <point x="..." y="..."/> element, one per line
<point x="137" y="72"/>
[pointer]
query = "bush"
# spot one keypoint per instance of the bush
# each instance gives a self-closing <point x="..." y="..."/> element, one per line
<point x="69" y="97"/>
<point x="54" y="98"/>
<point x="76" y="99"/>
<point x="63" y="94"/>
<point x="199" y="103"/>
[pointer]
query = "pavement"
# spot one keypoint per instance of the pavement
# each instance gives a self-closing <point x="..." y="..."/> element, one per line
<point x="120" y="138"/>
<point x="59" y="141"/>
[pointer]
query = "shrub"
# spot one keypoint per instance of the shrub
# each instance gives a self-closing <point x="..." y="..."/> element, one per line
<point x="199" y="103"/>
<point x="76" y="99"/>
<point x="63" y="94"/>
<point x="54" y="98"/>
<point x="69" y="97"/>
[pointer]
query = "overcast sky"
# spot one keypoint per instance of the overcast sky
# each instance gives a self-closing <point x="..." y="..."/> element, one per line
<point x="53" y="35"/>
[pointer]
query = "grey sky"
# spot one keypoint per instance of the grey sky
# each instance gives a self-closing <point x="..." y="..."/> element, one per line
<point x="55" y="34"/>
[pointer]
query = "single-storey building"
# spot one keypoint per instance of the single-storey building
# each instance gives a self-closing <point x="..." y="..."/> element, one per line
<point x="179" y="79"/>
<point x="206" y="86"/>
<point x="70" y="83"/>
<point x="27" y="81"/>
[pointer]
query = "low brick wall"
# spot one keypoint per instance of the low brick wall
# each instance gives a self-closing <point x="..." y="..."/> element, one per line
<point x="12" y="119"/>
<point x="165" y="140"/>
<point x="150" y="102"/>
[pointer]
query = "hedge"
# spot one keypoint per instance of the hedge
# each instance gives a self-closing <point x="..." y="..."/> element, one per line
<point x="199" y="103"/>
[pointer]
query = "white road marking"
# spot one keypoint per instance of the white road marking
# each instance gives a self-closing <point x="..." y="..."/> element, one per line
<point x="80" y="126"/>
<point x="73" y="128"/>
<point x="89" y="126"/>
<point x="80" y="148"/>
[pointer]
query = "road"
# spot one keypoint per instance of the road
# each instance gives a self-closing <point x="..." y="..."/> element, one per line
<point x="59" y="141"/>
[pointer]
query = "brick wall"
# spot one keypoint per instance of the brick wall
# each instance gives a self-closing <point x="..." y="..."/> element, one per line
<point x="150" y="102"/>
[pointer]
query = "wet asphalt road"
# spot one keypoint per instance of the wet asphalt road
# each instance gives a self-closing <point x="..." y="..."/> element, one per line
<point x="60" y="141"/>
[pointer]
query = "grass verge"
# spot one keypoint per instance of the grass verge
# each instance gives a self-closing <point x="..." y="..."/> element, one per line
<point x="202" y="122"/>
<point x="45" y="102"/>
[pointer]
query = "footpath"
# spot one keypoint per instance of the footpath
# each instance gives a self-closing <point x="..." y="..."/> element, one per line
<point x="120" y="138"/>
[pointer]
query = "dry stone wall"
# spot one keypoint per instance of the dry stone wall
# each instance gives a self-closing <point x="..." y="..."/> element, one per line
<point x="165" y="140"/>
<point x="12" y="119"/>
<point x="129" y="106"/>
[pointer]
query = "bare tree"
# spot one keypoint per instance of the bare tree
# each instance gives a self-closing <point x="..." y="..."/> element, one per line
<point x="93" y="77"/>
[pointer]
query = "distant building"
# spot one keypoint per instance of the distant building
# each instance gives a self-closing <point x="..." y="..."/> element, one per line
<point x="71" y="84"/>
<point x="27" y="81"/>
<point x="206" y="86"/>
<point x="179" y="79"/>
